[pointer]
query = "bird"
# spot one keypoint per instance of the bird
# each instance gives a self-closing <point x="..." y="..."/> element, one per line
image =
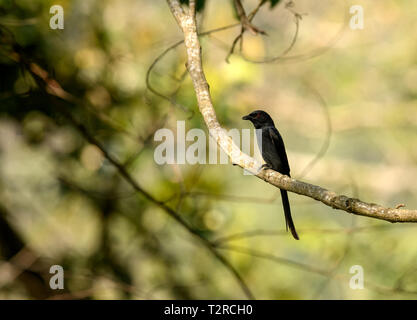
<point x="273" y="152"/>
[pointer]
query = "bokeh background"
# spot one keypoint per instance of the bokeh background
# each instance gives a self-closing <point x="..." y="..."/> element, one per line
<point x="344" y="100"/>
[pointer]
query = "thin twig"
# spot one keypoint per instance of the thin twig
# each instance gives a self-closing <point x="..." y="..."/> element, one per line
<point x="239" y="38"/>
<point x="245" y="20"/>
<point x="170" y="98"/>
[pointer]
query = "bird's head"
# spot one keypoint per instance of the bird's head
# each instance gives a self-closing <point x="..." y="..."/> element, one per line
<point x="259" y="119"/>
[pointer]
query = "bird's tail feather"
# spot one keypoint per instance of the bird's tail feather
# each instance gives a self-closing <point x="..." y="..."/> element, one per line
<point x="287" y="213"/>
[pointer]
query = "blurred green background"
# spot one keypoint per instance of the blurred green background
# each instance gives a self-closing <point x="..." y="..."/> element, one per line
<point x="62" y="202"/>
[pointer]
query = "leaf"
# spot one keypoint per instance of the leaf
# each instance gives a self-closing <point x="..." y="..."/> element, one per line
<point x="273" y="3"/>
<point x="199" y="4"/>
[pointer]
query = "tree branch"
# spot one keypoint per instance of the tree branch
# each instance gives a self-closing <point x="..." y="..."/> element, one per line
<point x="194" y="65"/>
<point x="54" y="89"/>
<point x="244" y="20"/>
<point x="249" y="18"/>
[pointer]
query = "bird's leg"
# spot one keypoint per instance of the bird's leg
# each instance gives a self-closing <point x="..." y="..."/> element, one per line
<point x="265" y="166"/>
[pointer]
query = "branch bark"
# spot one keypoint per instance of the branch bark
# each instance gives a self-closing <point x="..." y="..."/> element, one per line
<point x="187" y="22"/>
<point x="244" y="20"/>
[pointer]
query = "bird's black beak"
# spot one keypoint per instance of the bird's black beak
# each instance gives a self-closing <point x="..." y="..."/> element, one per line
<point x="248" y="117"/>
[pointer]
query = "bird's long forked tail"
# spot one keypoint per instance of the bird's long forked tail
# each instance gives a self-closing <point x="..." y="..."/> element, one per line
<point x="287" y="213"/>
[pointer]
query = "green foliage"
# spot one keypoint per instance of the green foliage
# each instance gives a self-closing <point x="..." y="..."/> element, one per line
<point x="273" y="3"/>
<point x="199" y="4"/>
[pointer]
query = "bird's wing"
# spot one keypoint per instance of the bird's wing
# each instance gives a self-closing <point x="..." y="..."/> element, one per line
<point x="280" y="147"/>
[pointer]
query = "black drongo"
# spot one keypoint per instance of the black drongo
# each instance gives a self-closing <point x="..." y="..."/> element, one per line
<point x="273" y="152"/>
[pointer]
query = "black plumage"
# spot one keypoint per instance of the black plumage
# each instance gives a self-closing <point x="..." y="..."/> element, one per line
<point x="274" y="154"/>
